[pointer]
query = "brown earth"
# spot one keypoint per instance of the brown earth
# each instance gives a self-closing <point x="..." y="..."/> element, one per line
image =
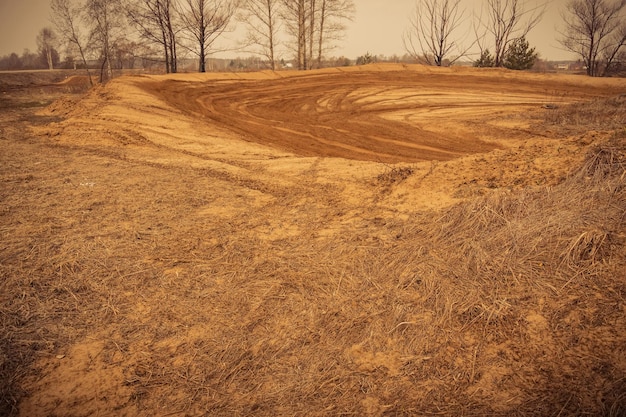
<point x="379" y="240"/>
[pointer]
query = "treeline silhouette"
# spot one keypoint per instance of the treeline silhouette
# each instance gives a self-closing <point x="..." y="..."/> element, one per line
<point x="30" y="61"/>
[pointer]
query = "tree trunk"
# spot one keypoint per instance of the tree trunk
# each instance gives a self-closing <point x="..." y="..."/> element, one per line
<point x="311" y="33"/>
<point x="320" y="44"/>
<point x="49" y="58"/>
<point x="202" y="63"/>
<point x="270" y="19"/>
<point x="202" y="39"/>
<point x="303" y="34"/>
<point x="590" y="56"/>
<point x="172" y="48"/>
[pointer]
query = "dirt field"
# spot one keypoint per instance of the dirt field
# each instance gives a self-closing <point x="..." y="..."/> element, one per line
<point x="378" y="240"/>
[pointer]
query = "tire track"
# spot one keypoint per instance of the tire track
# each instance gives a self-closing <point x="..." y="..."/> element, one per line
<point x="354" y="115"/>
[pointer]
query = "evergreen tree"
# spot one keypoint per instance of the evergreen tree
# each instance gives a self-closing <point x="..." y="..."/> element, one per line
<point x="365" y="59"/>
<point x="520" y="56"/>
<point x="485" y="60"/>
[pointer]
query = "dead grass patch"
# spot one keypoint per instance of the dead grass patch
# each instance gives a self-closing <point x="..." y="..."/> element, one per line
<point x="600" y="114"/>
<point x="394" y="175"/>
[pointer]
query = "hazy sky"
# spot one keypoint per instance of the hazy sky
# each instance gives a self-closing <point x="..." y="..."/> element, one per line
<point x="377" y="28"/>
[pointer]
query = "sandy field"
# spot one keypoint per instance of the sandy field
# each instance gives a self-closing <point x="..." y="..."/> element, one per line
<point x="384" y="240"/>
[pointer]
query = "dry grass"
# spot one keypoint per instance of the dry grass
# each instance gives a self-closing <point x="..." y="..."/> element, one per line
<point x="460" y="312"/>
<point x="600" y="114"/>
<point x="394" y="175"/>
<point x="509" y="304"/>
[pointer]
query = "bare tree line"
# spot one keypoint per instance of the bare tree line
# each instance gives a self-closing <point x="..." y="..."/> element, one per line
<point x="594" y="30"/>
<point x="436" y="35"/>
<point x="154" y="21"/>
<point x="314" y="26"/>
<point x="263" y="23"/>
<point x="440" y="32"/>
<point x="106" y="29"/>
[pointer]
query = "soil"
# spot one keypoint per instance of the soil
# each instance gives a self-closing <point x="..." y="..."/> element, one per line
<point x="284" y="243"/>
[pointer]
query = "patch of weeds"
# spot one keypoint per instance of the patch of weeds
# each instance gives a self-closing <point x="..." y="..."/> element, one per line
<point x="395" y="175"/>
<point x="597" y="114"/>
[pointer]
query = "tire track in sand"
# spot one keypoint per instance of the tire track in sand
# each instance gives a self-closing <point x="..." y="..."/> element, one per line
<point x="354" y="115"/>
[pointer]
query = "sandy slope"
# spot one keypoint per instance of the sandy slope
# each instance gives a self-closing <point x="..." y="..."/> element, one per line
<point x="337" y="121"/>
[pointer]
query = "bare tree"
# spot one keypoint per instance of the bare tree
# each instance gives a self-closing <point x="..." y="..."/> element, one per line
<point x="261" y="18"/>
<point x="596" y="31"/>
<point x="331" y="27"/>
<point x="314" y="25"/>
<point x="430" y="37"/>
<point x="126" y="51"/>
<point x="204" y="21"/>
<point x="506" y="21"/>
<point x="155" y="21"/>
<point x="312" y="14"/>
<point x="105" y="20"/>
<point x="294" y="14"/>
<point x="66" y="16"/>
<point x="46" y="40"/>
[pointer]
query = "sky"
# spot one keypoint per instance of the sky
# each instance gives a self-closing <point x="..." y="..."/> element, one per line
<point x="377" y="28"/>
